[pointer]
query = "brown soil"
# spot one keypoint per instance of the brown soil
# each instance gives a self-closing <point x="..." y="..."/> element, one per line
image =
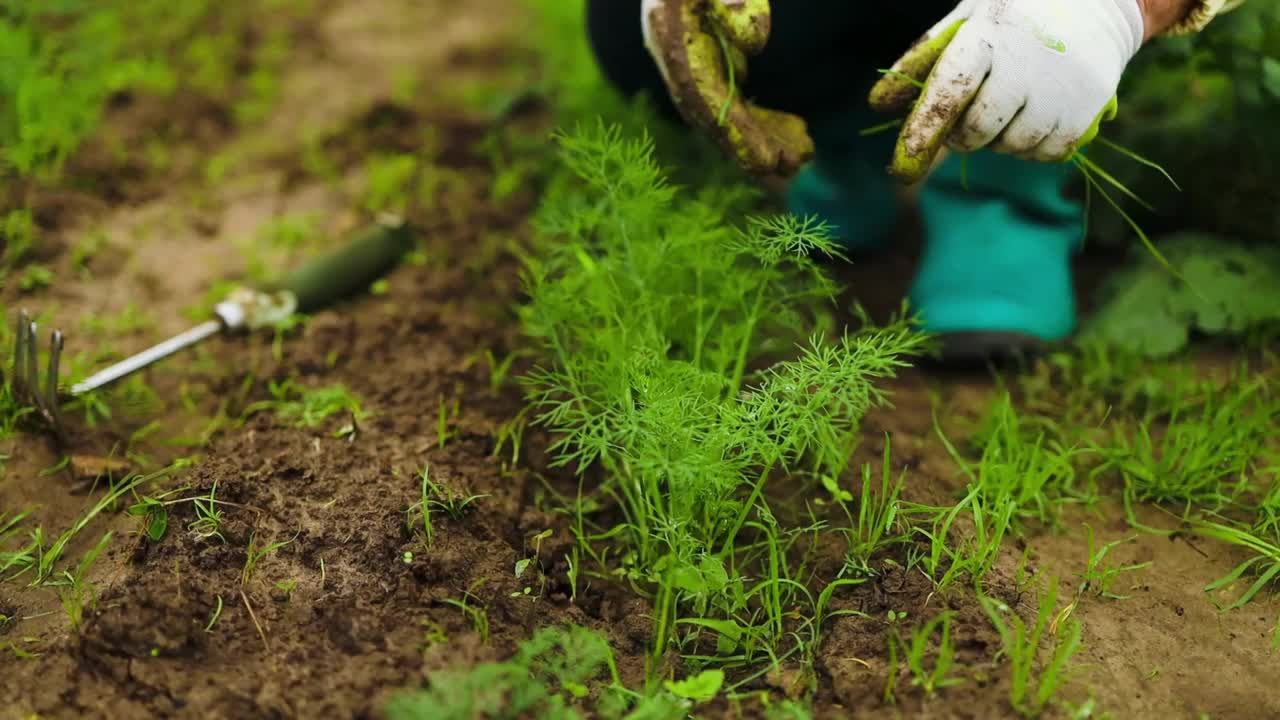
<point x="356" y="627"/>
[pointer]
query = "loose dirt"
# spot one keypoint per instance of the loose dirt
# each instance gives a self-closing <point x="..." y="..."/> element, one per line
<point x="348" y="611"/>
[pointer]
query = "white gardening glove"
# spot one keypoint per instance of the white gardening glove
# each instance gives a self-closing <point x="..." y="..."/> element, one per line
<point x="1033" y="78"/>
<point x="700" y="46"/>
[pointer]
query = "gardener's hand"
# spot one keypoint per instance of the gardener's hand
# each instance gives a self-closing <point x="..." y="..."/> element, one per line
<point x="701" y="48"/>
<point x="1034" y="78"/>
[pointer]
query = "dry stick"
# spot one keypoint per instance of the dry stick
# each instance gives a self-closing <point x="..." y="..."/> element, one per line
<point x="261" y="633"/>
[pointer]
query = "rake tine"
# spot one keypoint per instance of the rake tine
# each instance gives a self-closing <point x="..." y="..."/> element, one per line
<point x="32" y="363"/>
<point x="53" y="411"/>
<point x="26" y="373"/>
<point x="20" y="354"/>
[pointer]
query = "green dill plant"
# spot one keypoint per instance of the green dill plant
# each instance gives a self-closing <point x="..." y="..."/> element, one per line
<point x="676" y="357"/>
<point x="561" y="673"/>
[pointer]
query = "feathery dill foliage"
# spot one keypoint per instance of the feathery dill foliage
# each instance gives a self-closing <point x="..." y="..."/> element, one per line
<point x="558" y="674"/>
<point x="659" y="321"/>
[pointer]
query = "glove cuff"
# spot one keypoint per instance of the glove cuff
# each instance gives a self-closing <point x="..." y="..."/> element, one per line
<point x="1202" y="13"/>
<point x="1132" y="12"/>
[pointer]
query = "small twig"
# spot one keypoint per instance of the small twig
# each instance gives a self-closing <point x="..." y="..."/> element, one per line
<point x="1182" y="536"/>
<point x="261" y="633"/>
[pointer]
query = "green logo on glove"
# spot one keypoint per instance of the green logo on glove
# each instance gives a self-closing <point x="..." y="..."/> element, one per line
<point x="1049" y="40"/>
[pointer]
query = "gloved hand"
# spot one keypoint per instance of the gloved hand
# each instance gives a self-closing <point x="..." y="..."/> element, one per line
<point x="696" y="43"/>
<point x="1033" y="78"/>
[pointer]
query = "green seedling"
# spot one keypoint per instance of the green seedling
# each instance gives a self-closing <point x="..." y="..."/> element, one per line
<point x="77" y="592"/>
<point x="558" y="674"/>
<point x="432" y="635"/>
<point x="523" y="564"/>
<point x="19" y="233"/>
<point x="971" y="557"/>
<point x="255" y="555"/>
<point x="262" y="86"/>
<point x="22" y="653"/>
<point x="153" y="517"/>
<point x="11" y="531"/>
<point x="498" y="369"/>
<point x="289" y="233"/>
<point x="511" y="433"/>
<point x="575" y="569"/>
<point x="876" y="523"/>
<point x="1263" y="563"/>
<point x="423" y="509"/>
<point x="287" y="587"/>
<point x="217" y="613"/>
<point x="308" y="407"/>
<point x="1033" y="685"/>
<point x="208" y="517"/>
<point x="389" y="181"/>
<point x="434" y="497"/>
<point x="1021" y="465"/>
<point x="11" y="411"/>
<point x="890" y="694"/>
<point x="349" y="431"/>
<point x="45" y="559"/>
<point x="442" y="426"/>
<point x="929" y="679"/>
<point x="475" y="614"/>
<point x="1203" y="457"/>
<point x="35" y="277"/>
<point x="1099" y="577"/>
<point x="129" y="320"/>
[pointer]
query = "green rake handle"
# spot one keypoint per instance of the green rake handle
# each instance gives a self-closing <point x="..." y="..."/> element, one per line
<point x="350" y="270"/>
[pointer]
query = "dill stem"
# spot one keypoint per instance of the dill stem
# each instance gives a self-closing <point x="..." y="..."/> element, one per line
<point x="662" y="620"/>
<point x="740" y="366"/>
<point x="747" y="507"/>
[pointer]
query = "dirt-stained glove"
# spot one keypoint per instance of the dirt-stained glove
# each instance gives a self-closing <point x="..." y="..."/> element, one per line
<point x="701" y="47"/>
<point x="1033" y="78"/>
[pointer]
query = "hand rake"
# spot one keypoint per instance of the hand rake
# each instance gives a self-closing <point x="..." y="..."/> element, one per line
<point x="311" y="287"/>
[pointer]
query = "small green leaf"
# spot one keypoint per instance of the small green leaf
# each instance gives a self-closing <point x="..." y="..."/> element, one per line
<point x="833" y="487"/>
<point x="155" y="518"/>
<point x="575" y="689"/>
<point x="688" y="578"/>
<point x="713" y="574"/>
<point x="728" y="632"/>
<point x="700" y="688"/>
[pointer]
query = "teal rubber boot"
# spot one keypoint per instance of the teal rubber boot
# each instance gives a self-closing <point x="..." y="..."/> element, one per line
<point x="846" y="185"/>
<point x="995" y="279"/>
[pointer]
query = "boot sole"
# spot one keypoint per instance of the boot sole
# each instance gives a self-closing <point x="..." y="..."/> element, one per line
<point x="964" y="350"/>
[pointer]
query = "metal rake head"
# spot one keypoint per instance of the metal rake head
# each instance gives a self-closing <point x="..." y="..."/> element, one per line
<point x="26" y="372"/>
